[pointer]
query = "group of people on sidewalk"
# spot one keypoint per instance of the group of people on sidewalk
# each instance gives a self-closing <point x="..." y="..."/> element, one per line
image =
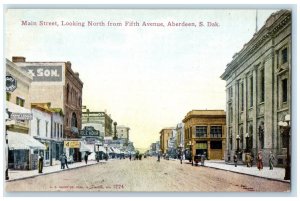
<point x="259" y="160"/>
<point x="64" y="160"/>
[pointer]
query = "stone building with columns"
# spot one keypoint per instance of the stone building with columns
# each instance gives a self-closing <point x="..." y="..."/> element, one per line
<point x="258" y="91"/>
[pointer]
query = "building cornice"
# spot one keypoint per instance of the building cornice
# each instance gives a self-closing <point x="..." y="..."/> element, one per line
<point x="274" y="24"/>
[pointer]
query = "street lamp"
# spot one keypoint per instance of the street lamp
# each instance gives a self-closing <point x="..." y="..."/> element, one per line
<point x="238" y="142"/>
<point x="115" y="131"/>
<point x="247" y="142"/>
<point x="106" y="156"/>
<point x="285" y="127"/>
<point x="191" y="151"/>
<point x="97" y="153"/>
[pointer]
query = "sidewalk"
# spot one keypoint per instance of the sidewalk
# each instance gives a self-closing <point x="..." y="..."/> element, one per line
<point x="22" y="174"/>
<point x="275" y="174"/>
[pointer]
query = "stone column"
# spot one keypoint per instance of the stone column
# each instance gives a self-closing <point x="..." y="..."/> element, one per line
<point x="235" y="121"/>
<point x="245" y="110"/>
<point x="254" y="111"/>
<point x="268" y="102"/>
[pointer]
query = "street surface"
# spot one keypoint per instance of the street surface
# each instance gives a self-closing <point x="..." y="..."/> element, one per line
<point x="147" y="175"/>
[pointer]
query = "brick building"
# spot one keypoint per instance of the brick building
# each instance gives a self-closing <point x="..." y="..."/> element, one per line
<point x="205" y="131"/>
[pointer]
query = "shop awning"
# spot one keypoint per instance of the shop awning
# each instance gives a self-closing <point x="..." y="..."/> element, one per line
<point x="84" y="147"/>
<point x="18" y="141"/>
<point x="115" y="150"/>
<point x="101" y="148"/>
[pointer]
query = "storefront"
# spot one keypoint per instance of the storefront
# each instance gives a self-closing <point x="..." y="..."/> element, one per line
<point x="23" y="151"/>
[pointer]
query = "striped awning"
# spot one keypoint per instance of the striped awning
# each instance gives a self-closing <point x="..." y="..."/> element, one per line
<point x="17" y="141"/>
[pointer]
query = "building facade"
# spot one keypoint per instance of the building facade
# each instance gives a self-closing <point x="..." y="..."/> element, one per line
<point x="22" y="148"/>
<point x="100" y="120"/>
<point x="40" y="128"/>
<point x="57" y="83"/>
<point x="123" y="133"/>
<point x="180" y="134"/>
<point x="165" y="134"/>
<point x="258" y="86"/>
<point x="205" y="132"/>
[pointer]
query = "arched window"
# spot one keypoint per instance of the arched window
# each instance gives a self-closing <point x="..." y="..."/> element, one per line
<point x="242" y="137"/>
<point x="74" y="120"/>
<point x="79" y="101"/>
<point x="250" y="137"/>
<point x="68" y="91"/>
<point x="261" y="134"/>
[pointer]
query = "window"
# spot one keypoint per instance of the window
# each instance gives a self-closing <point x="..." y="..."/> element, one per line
<point x="216" y="144"/>
<point x="262" y="85"/>
<point x="8" y="96"/>
<point x="20" y="101"/>
<point x="284" y="56"/>
<point x="230" y="92"/>
<point x="201" y="131"/>
<point x="216" y="131"/>
<point x="242" y="97"/>
<point x="251" y="91"/>
<point x="68" y="93"/>
<point x="230" y="114"/>
<point x="47" y="128"/>
<point x="38" y="126"/>
<point x="284" y="90"/>
<point x="54" y="130"/>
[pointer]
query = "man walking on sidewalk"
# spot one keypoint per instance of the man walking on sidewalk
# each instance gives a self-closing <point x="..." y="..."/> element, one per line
<point x="271" y="158"/>
<point x="41" y="161"/>
<point x="62" y="161"/>
<point x="235" y="160"/>
<point x="86" y="157"/>
<point x="158" y="157"/>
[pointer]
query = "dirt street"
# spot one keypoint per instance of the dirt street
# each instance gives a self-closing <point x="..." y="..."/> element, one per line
<point x="147" y="175"/>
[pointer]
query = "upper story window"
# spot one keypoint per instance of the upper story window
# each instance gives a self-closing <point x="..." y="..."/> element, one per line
<point x="38" y="126"/>
<point x="20" y="101"/>
<point x="8" y="96"/>
<point x="284" y="55"/>
<point x="284" y="90"/>
<point x="262" y="85"/>
<point x="47" y="122"/>
<point x="201" y="131"/>
<point x="251" y="91"/>
<point x="242" y="97"/>
<point x="216" y="131"/>
<point x="230" y="92"/>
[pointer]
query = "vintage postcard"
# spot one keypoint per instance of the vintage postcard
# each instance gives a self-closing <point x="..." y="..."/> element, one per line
<point x="148" y="99"/>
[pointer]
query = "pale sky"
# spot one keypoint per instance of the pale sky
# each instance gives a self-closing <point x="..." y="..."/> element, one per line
<point x="147" y="78"/>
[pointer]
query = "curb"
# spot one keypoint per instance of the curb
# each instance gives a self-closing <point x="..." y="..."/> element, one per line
<point x="60" y="170"/>
<point x="272" y="179"/>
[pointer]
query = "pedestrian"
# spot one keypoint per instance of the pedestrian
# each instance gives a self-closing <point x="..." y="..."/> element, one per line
<point x="130" y="157"/>
<point x="66" y="161"/>
<point x="271" y="158"/>
<point x="86" y="157"/>
<point x="41" y="163"/>
<point x="235" y="159"/>
<point x="202" y="159"/>
<point x="158" y="157"/>
<point x="259" y="159"/>
<point x="251" y="159"/>
<point x="248" y="160"/>
<point x="62" y="161"/>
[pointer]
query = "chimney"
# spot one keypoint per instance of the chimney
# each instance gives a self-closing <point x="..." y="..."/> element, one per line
<point x="18" y="59"/>
<point x="68" y="64"/>
<point x="76" y="74"/>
